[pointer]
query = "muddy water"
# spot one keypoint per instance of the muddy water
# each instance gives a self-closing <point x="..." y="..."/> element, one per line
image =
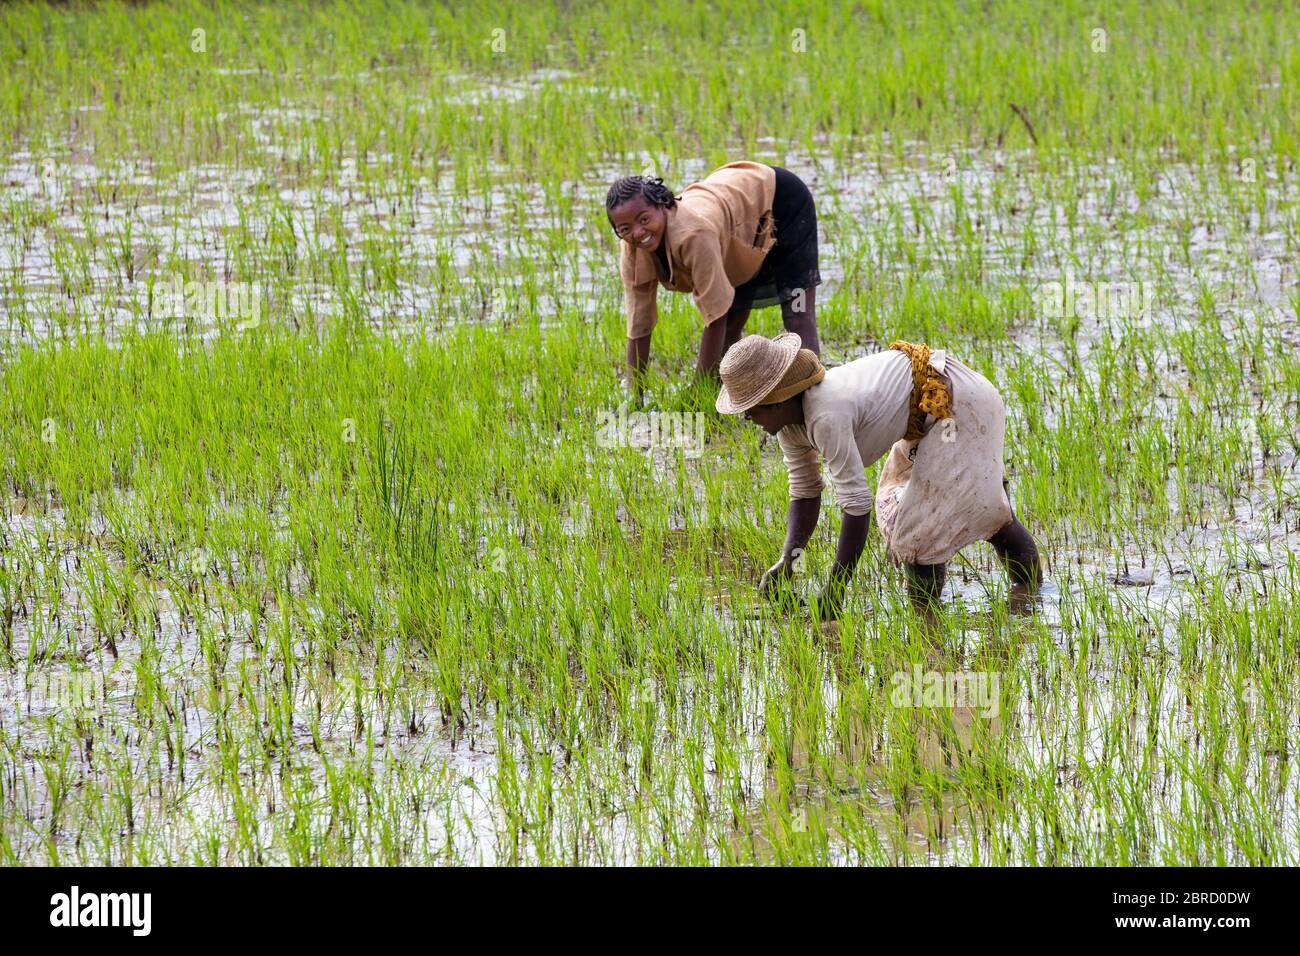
<point x="857" y="777"/>
<point x="85" y="241"/>
<point x="449" y="236"/>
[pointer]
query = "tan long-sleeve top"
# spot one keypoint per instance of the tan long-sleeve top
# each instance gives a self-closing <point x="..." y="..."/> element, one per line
<point x="851" y="419"/>
<point x="717" y="237"/>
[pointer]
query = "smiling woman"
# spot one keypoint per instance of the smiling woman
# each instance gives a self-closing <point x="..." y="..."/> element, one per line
<point x="744" y="237"/>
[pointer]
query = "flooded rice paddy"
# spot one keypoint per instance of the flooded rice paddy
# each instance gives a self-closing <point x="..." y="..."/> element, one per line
<point x="334" y="569"/>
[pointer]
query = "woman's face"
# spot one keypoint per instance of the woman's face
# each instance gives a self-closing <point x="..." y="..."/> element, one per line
<point x="640" y="224"/>
<point x="771" y="418"/>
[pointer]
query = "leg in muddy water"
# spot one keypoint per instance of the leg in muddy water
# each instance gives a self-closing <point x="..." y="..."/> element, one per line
<point x="1019" y="555"/>
<point x="925" y="584"/>
<point x="800" y="315"/>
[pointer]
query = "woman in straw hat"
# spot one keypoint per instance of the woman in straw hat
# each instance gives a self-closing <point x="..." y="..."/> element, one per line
<point x="942" y="487"/>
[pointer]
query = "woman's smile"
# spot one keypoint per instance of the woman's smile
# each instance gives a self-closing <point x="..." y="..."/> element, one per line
<point x="639" y="224"/>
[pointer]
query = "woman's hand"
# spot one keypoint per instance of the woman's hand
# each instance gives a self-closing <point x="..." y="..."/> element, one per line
<point x="634" y="392"/>
<point x="777" y="577"/>
<point x="853" y="538"/>
<point x="830" y="600"/>
<point x="800" y="522"/>
<point x="777" y="582"/>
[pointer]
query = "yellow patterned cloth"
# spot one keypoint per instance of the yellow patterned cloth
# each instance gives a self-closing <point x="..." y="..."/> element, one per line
<point x="930" y="395"/>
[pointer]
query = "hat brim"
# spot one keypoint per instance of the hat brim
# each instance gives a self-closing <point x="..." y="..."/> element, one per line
<point x="789" y="343"/>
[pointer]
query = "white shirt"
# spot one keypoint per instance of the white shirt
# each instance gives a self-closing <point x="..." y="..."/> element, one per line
<point x="852" y="417"/>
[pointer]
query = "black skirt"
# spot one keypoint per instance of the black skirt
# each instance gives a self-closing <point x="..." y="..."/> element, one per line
<point x="791" y="265"/>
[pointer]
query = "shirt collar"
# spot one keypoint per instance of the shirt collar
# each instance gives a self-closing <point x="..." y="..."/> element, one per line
<point x="679" y="221"/>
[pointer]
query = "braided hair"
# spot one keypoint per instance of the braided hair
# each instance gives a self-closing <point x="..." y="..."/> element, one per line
<point x="651" y="189"/>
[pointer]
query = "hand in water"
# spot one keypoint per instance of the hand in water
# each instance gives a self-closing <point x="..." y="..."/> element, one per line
<point x="830" y="601"/>
<point x="776" y="585"/>
<point x="635" y="393"/>
<point x="776" y="578"/>
<point x="696" y="395"/>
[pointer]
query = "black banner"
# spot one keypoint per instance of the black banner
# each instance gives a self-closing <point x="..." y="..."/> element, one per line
<point x="333" y="906"/>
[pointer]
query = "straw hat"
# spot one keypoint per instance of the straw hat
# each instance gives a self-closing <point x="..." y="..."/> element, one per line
<point x="762" y="371"/>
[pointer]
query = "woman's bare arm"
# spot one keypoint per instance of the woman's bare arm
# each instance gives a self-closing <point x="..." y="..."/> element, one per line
<point x="801" y="521"/>
<point x="638" y="357"/>
<point x="711" y="344"/>
<point x="853" y="539"/>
